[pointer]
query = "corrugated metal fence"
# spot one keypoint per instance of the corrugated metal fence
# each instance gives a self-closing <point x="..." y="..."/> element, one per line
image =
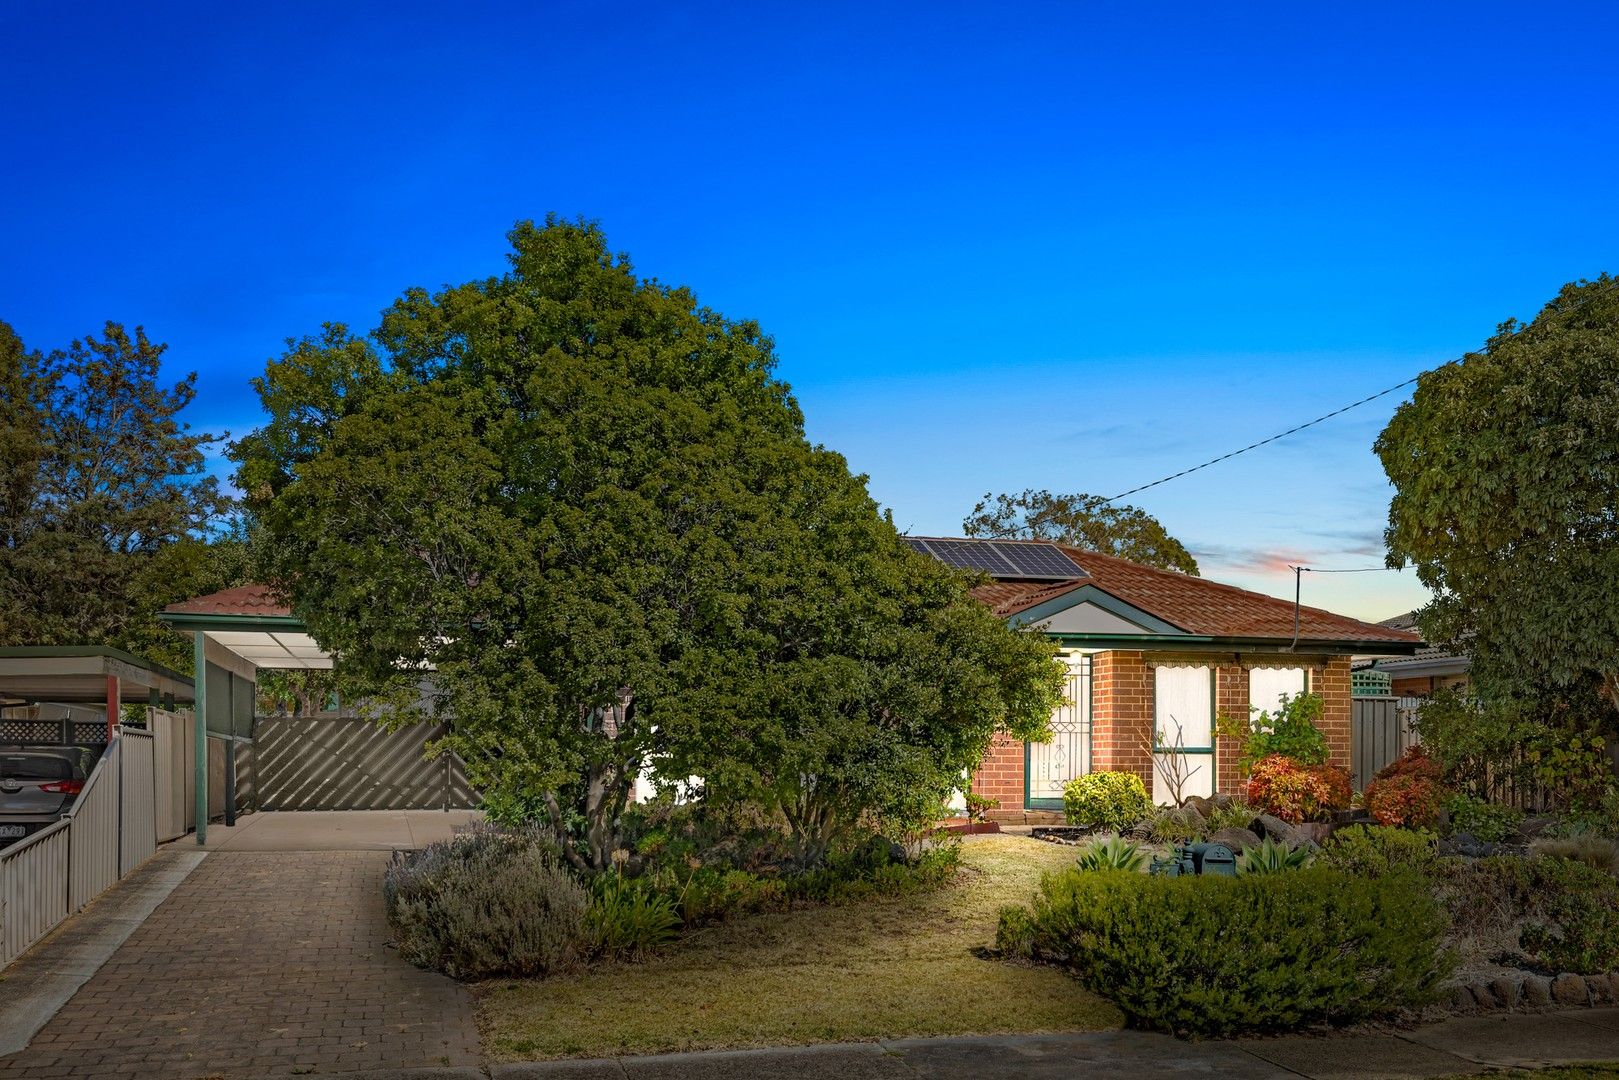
<point x="110" y="830"/>
<point x="346" y="763"/>
<point x="1381" y="730"/>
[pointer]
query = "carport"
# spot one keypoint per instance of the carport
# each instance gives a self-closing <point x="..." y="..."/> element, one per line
<point x="80" y="675"/>
<point x="349" y="763"/>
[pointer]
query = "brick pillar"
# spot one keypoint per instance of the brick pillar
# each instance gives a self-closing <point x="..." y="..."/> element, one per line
<point x="1332" y="683"/>
<point x="1121" y="713"/>
<point x="1230" y="699"/>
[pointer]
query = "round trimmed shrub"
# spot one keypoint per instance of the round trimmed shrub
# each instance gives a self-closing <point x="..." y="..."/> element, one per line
<point x="1409" y="791"/>
<point x="1106" y="800"/>
<point x="1294" y="791"/>
<point x="1224" y="955"/>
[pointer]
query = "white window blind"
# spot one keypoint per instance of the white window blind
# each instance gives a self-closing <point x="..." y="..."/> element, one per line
<point x="1267" y="685"/>
<point x="1183" y="706"/>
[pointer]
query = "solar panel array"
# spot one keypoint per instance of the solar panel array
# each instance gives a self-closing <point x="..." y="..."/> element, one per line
<point x="1003" y="559"/>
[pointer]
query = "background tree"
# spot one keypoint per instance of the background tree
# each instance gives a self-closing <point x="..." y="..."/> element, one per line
<point x="585" y="503"/>
<point x="1085" y="521"/>
<point x="108" y="511"/>
<point x="1506" y="466"/>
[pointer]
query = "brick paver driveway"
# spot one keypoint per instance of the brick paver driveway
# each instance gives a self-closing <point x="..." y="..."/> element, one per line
<point x="259" y="964"/>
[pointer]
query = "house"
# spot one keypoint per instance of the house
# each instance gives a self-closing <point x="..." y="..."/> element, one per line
<point x="1431" y="668"/>
<point x="1153" y="651"/>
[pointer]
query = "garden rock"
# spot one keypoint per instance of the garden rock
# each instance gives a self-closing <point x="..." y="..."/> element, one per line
<point x="1467" y="844"/>
<point x="1221" y="800"/>
<point x="1200" y="806"/>
<point x="1238" y="840"/>
<point x="1461" y="998"/>
<point x="1601" y="988"/>
<point x="1570" y="989"/>
<point x="1537" y="990"/>
<point x="1506" y="990"/>
<point x="1268" y="825"/>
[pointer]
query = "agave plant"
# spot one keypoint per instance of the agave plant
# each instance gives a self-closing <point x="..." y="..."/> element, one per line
<point x="1113" y="853"/>
<point x="1270" y="857"/>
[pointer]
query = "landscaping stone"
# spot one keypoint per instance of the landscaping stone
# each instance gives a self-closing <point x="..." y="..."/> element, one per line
<point x="1238" y="840"/>
<point x="1507" y="991"/>
<point x="1462" y="999"/>
<point x="1468" y="845"/>
<point x="1222" y="800"/>
<point x="1274" y="828"/>
<point x="1570" y="989"/>
<point x="1601" y="988"/>
<point x="1537" y="990"/>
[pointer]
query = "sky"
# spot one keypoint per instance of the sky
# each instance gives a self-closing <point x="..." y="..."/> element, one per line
<point x="1074" y="246"/>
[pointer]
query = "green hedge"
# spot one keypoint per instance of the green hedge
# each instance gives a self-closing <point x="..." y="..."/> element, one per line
<point x="1106" y="800"/>
<point x="1219" y="956"/>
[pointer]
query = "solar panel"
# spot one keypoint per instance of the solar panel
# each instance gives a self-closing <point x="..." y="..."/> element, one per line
<point x="1003" y="559"/>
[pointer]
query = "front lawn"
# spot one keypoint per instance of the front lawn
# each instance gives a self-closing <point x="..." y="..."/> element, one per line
<point x="890" y="968"/>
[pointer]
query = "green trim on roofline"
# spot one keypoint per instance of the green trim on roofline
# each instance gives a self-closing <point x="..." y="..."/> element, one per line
<point x="1204" y="643"/>
<point x="1095" y="595"/>
<point x="219" y="621"/>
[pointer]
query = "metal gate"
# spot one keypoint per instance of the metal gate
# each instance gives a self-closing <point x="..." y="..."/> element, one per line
<point x="345" y="763"/>
<point x="1067" y="755"/>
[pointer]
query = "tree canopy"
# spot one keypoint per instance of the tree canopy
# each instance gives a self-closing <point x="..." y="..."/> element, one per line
<point x="585" y="504"/>
<point x="1505" y="466"/>
<point x="1085" y="521"/>
<point x="106" y="512"/>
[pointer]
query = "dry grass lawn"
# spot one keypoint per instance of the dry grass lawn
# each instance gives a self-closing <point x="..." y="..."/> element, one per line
<point x="880" y="969"/>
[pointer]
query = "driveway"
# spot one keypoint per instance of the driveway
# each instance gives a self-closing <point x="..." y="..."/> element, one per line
<point x="260" y="963"/>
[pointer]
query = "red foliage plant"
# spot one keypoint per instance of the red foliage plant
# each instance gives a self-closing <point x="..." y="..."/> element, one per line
<point x="1295" y="792"/>
<point x="1408" y="791"/>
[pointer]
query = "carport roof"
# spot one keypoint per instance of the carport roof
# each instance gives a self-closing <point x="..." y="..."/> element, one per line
<point x="252" y="622"/>
<point x="79" y="673"/>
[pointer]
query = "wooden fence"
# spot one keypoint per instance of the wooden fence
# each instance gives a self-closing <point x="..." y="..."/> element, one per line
<point x="346" y="763"/>
<point x="110" y="829"/>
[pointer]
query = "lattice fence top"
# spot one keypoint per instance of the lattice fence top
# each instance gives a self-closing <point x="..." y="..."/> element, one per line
<point x="50" y="732"/>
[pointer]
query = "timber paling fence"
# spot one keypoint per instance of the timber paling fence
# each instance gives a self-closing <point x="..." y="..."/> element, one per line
<point x="110" y="829"/>
<point x="1381" y="729"/>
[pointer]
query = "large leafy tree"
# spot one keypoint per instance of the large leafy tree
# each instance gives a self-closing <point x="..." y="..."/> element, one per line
<point x="106" y="512"/>
<point x="580" y="506"/>
<point x="1086" y="521"/>
<point x="1505" y="466"/>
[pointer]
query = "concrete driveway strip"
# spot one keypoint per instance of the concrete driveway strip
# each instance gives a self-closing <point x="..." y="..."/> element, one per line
<point x="46" y="977"/>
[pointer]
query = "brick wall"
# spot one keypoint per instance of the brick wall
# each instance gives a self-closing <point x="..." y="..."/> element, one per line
<point x="1000" y="775"/>
<point x="1122" y="711"/>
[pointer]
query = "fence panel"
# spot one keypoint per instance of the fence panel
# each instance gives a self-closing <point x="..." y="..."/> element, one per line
<point x="137" y="813"/>
<point x="345" y="763"/>
<point x="33" y="889"/>
<point x="93" y="846"/>
<point x="171" y="735"/>
<point x="1381" y="730"/>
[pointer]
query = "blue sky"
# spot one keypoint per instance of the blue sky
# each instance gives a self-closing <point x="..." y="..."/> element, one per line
<point x="1073" y="246"/>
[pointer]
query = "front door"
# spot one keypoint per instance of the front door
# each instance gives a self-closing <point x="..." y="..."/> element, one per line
<point x="1068" y="755"/>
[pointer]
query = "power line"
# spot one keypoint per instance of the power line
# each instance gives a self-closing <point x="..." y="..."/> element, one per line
<point x="1337" y="412"/>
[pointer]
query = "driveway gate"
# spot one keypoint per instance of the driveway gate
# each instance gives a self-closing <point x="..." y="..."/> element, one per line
<point x="345" y="763"/>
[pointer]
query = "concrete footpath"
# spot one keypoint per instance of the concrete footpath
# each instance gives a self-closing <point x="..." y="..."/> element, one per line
<point x="1464" y="1046"/>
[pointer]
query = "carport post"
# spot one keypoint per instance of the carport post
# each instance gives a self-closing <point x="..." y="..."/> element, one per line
<point x="199" y="659"/>
<point x="112" y="704"/>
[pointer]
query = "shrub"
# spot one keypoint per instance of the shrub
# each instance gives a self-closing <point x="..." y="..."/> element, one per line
<point x="1106" y="800"/>
<point x="1218" y="955"/>
<point x="1483" y="820"/>
<point x="1235" y="816"/>
<point x="1173" y="825"/>
<point x="628" y="918"/>
<point x="1113" y="854"/>
<point x="1594" y="851"/>
<point x="1283" y="787"/>
<point x="487" y="903"/>
<point x="1270" y="857"/>
<point x="1374" y="850"/>
<point x="1563" y="914"/>
<point x="1407" y="791"/>
<point x="1292" y="731"/>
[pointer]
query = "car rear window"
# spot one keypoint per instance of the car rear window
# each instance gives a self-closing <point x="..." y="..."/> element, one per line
<point x="34" y="767"/>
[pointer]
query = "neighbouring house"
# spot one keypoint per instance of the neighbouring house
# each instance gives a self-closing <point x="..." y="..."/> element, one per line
<point x="1430" y="668"/>
<point x="1153" y="656"/>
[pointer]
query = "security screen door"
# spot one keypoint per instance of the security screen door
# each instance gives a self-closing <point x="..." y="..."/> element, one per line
<point x="1068" y="754"/>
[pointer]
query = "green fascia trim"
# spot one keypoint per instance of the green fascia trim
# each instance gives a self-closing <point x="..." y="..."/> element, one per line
<point x="198" y="621"/>
<point x="1091" y="594"/>
<point x="1200" y="643"/>
<point x="70" y="651"/>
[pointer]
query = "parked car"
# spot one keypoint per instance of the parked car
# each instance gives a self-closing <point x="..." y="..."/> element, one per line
<point x="37" y="786"/>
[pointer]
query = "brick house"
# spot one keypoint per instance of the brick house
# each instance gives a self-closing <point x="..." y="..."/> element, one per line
<point x="1148" y="651"/>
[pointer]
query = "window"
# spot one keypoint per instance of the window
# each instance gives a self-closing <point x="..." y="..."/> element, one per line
<point x="1267" y="685"/>
<point x="1183" y="725"/>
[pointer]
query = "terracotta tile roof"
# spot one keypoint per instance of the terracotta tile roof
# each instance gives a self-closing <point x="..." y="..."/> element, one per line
<point x="242" y="600"/>
<point x="1196" y="605"/>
